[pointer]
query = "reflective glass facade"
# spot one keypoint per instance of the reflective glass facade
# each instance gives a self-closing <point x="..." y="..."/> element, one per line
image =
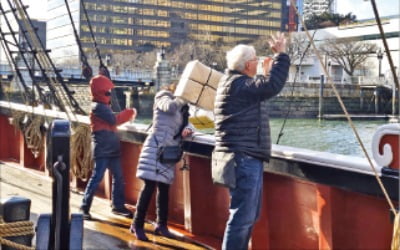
<point x="146" y="24"/>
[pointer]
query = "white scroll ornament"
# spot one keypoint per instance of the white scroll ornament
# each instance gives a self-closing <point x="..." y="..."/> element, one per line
<point x="386" y="157"/>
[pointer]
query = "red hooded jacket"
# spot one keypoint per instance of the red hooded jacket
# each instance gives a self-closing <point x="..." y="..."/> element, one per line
<point x="103" y="122"/>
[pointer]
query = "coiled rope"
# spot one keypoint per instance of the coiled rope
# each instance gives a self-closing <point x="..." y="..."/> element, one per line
<point x="63" y="96"/>
<point x="19" y="228"/>
<point x="18" y="120"/>
<point x="31" y="127"/>
<point x="34" y="135"/>
<point x="81" y="155"/>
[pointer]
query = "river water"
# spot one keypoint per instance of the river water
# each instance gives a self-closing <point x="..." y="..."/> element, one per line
<point x="321" y="135"/>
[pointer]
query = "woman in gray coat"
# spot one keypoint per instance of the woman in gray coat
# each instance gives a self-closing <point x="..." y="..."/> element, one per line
<point x="170" y="120"/>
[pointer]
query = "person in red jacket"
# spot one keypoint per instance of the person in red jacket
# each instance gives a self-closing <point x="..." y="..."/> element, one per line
<point x="106" y="146"/>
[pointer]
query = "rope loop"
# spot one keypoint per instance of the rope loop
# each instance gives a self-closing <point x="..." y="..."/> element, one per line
<point x="81" y="155"/>
<point x="34" y="135"/>
<point x="18" y="228"/>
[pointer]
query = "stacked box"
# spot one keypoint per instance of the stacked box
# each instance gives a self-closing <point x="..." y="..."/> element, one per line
<point x="198" y="85"/>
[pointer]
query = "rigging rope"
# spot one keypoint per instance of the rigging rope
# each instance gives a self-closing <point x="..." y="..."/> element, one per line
<point x="280" y="134"/>
<point x="34" y="140"/>
<point x="22" y="52"/>
<point x="23" y="94"/>
<point x="382" y="33"/>
<point x="30" y="99"/>
<point x="31" y="130"/>
<point x="47" y="62"/>
<point x="396" y="230"/>
<point x="31" y="127"/>
<point x="103" y="70"/>
<point x="102" y="67"/>
<point x="87" y="71"/>
<point x="81" y="158"/>
<point x="34" y="54"/>
<point x="74" y="127"/>
<point x="396" y="233"/>
<point x="384" y="191"/>
<point x="39" y="48"/>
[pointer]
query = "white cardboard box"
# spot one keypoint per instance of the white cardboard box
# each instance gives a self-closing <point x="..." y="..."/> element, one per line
<point x="198" y="85"/>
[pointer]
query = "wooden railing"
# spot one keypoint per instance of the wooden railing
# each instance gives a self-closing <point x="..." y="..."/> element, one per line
<point x="311" y="200"/>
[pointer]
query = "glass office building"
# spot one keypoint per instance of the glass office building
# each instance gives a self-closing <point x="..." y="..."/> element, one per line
<point x="121" y="25"/>
<point x="318" y="7"/>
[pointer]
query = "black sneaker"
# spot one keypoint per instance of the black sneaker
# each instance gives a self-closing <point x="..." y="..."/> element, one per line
<point x="123" y="212"/>
<point x="86" y="215"/>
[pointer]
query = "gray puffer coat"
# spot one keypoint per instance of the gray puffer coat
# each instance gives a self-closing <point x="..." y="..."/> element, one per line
<point x="167" y="120"/>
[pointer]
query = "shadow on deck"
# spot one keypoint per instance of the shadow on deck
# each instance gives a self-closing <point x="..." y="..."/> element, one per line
<point x="105" y="231"/>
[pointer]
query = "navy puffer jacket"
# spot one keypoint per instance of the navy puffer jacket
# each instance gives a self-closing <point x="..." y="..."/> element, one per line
<point x="241" y="112"/>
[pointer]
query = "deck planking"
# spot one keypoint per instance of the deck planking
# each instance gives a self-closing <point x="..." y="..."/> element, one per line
<point x="105" y="231"/>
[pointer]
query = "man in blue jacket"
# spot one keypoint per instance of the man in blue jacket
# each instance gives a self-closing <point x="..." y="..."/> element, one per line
<point x="242" y="133"/>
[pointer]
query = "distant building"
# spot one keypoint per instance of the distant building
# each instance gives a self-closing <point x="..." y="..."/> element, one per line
<point x="290" y="19"/>
<point x="301" y="13"/>
<point x="318" y="7"/>
<point x="366" y="31"/>
<point x="40" y="30"/>
<point x="124" y="25"/>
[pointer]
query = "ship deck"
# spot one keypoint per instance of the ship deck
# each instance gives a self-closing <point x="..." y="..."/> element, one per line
<point x="105" y="230"/>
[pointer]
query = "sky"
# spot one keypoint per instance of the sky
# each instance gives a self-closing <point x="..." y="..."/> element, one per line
<point x="361" y="8"/>
<point x="37" y="8"/>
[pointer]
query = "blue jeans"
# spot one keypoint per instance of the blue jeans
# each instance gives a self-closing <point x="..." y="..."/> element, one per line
<point x="245" y="204"/>
<point x="118" y="186"/>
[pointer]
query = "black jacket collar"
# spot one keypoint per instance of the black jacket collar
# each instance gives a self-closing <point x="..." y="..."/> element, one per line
<point x="233" y="72"/>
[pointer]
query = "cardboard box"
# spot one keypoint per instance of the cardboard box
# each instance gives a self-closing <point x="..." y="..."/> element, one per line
<point x="198" y="85"/>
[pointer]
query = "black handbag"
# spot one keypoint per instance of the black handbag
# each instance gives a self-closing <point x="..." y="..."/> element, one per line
<point x="169" y="154"/>
<point x="173" y="154"/>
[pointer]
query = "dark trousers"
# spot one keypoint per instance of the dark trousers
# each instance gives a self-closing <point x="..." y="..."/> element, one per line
<point x="144" y="201"/>
<point x="118" y="186"/>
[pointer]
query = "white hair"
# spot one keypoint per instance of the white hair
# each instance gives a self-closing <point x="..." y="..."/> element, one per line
<point x="237" y="57"/>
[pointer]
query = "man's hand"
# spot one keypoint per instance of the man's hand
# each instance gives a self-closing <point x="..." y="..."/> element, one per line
<point x="278" y="43"/>
<point x="267" y="65"/>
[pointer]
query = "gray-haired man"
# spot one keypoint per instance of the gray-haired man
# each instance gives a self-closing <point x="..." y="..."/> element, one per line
<point x="242" y="133"/>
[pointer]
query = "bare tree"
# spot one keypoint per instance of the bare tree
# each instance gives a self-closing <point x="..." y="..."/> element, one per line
<point x="182" y="54"/>
<point x="297" y="46"/>
<point x="261" y="45"/>
<point x="209" y="53"/>
<point x="124" y="61"/>
<point x="148" y="59"/>
<point x="348" y="53"/>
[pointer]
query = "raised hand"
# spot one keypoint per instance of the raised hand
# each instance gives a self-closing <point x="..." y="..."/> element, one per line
<point x="278" y="42"/>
